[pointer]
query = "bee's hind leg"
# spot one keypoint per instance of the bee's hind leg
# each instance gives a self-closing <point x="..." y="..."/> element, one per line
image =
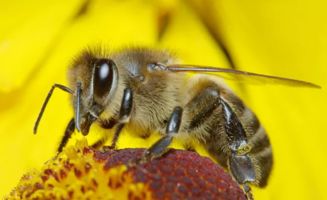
<point x="242" y="170"/>
<point x="239" y="162"/>
<point x="160" y="147"/>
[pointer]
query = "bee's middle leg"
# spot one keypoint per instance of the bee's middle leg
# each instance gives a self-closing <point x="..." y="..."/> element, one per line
<point x="173" y="125"/>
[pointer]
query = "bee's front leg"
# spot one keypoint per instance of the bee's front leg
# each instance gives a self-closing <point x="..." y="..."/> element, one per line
<point x="68" y="133"/>
<point x="124" y="116"/>
<point x="160" y="147"/>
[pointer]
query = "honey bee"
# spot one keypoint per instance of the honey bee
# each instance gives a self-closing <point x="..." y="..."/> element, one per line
<point x="145" y="89"/>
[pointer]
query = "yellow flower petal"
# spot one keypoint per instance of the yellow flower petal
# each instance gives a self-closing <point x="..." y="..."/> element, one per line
<point x="27" y="34"/>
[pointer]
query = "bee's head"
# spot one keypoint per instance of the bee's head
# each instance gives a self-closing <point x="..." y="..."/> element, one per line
<point x="96" y="81"/>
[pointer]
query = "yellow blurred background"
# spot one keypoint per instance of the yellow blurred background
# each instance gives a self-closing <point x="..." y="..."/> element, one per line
<point x="38" y="40"/>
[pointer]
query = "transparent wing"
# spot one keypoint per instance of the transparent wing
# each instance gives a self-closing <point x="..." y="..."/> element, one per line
<point x="238" y="75"/>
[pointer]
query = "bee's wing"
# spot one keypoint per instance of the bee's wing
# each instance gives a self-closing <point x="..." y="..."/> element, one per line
<point x="241" y="75"/>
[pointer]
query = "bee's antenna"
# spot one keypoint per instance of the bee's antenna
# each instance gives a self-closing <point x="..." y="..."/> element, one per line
<point x="77" y="107"/>
<point x="62" y="87"/>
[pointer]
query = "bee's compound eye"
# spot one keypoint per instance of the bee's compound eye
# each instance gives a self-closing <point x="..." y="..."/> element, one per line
<point x="103" y="71"/>
<point x="103" y="77"/>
